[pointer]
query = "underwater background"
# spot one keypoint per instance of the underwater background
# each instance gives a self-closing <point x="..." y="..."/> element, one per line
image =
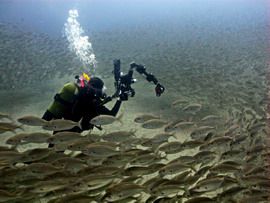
<point x="210" y="55"/>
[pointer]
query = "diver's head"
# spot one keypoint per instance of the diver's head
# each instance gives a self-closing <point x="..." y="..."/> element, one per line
<point x="98" y="85"/>
<point x="96" y="82"/>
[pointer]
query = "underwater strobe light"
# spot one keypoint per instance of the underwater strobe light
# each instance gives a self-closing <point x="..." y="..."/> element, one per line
<point x="78" y="43"/>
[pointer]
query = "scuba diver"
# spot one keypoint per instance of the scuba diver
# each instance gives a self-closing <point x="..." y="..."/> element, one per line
<point x="84" y="99"/>
<point x="81" y="100"/>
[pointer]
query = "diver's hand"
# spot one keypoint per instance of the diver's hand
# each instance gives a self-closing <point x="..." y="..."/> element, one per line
<point x="123" y="96"/>
<point x="159" y="89"/>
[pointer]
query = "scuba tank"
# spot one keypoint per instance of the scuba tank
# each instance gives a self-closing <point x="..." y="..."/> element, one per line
<point x="64" y="100"/>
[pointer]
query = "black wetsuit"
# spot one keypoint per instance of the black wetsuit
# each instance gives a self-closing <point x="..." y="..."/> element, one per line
<point x="85" y="107"/>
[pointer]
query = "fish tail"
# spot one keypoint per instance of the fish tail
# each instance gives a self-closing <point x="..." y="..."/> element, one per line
<point x="122" y="148"/>
<point x="119" y="118"/>
<point x="187" y="192"/>
<point x="21" y="127"/>
<point x="10" y="118"/>
<point x="157" y="151"/>
<point x="174" y="135"/>
<point x="159" y="154"/>
<point x="79" y="124"/>
<point x="193" y="167"/>
<point x="241" y="182"/>
<point x="133" y="131"/>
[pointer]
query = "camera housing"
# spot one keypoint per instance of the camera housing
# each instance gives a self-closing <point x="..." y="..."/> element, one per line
<point x="123" y="82"/>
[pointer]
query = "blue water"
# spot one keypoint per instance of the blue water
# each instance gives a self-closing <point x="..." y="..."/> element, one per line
<point x="49" y="15"/>
<point x="173" y="37"/>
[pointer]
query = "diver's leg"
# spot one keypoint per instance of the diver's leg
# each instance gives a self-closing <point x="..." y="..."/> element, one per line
<point x="48" y="116"/>
<point x="85" y="123"/>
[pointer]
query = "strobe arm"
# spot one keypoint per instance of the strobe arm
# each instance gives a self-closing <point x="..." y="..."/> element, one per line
<point x="149" y="77"/>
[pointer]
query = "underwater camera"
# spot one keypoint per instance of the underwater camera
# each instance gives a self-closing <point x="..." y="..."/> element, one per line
<point x="123" y="82"/>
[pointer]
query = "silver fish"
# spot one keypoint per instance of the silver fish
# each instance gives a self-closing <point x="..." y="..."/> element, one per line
<point x="106" y="119"/>
<point x="4" y="115"/>
<point x="60" y="124"/>
<point x="231" y="154"/>
<point x="154" y="124"/>
<point x="137" y="171"/>
<point x="70" y="164"/>
<point x="32" y="121"/>
<point x="118" y="160"/>
<point x="78" y="145"/>
<point x="191" y="144"/>
<point x="174" y="168"/>
<point x="183" y="126"/>
<point x="145" y="117"/>
<point x="184" y="160"/>
<point x="76" y="198"/>
<point x="217" y="142"/>
<point x="200" y="200"/>
<point x="8" y="126"/>
<point x="47" y="186"/>
<point x="122" y="191"/>
<point x="170" y="126"/>
<point x="192" y="108"/>
<point x="145" y="159"/>
<point x="210" y="118"/>
<point x="64" y="137"/>
<point x="207" y="185"/>
<point x="33" y="155"/>
<point x="157" y="140"/>
<point x="201" y="132"/>
<point x="36" y="137"/>
<point x="179" y="102"/>
<point x="167" y="190"/>
<point x="16" y="139"/>
<point x="225" y="168"/>
<point x="230" y="193"/>
<point x="118" y="136"/>
<point x="100" y="170"/>
<point x="171" y="147"/>
<point x="100" y="151"/>
<point x="202" y="154"/>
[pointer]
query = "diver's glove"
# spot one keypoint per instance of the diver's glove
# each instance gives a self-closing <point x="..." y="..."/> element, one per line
<point x="123" y="96"/>
<point x="159" y="89"/>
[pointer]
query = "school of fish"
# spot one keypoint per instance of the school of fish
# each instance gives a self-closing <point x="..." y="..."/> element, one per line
<point x="215" y="160"/>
